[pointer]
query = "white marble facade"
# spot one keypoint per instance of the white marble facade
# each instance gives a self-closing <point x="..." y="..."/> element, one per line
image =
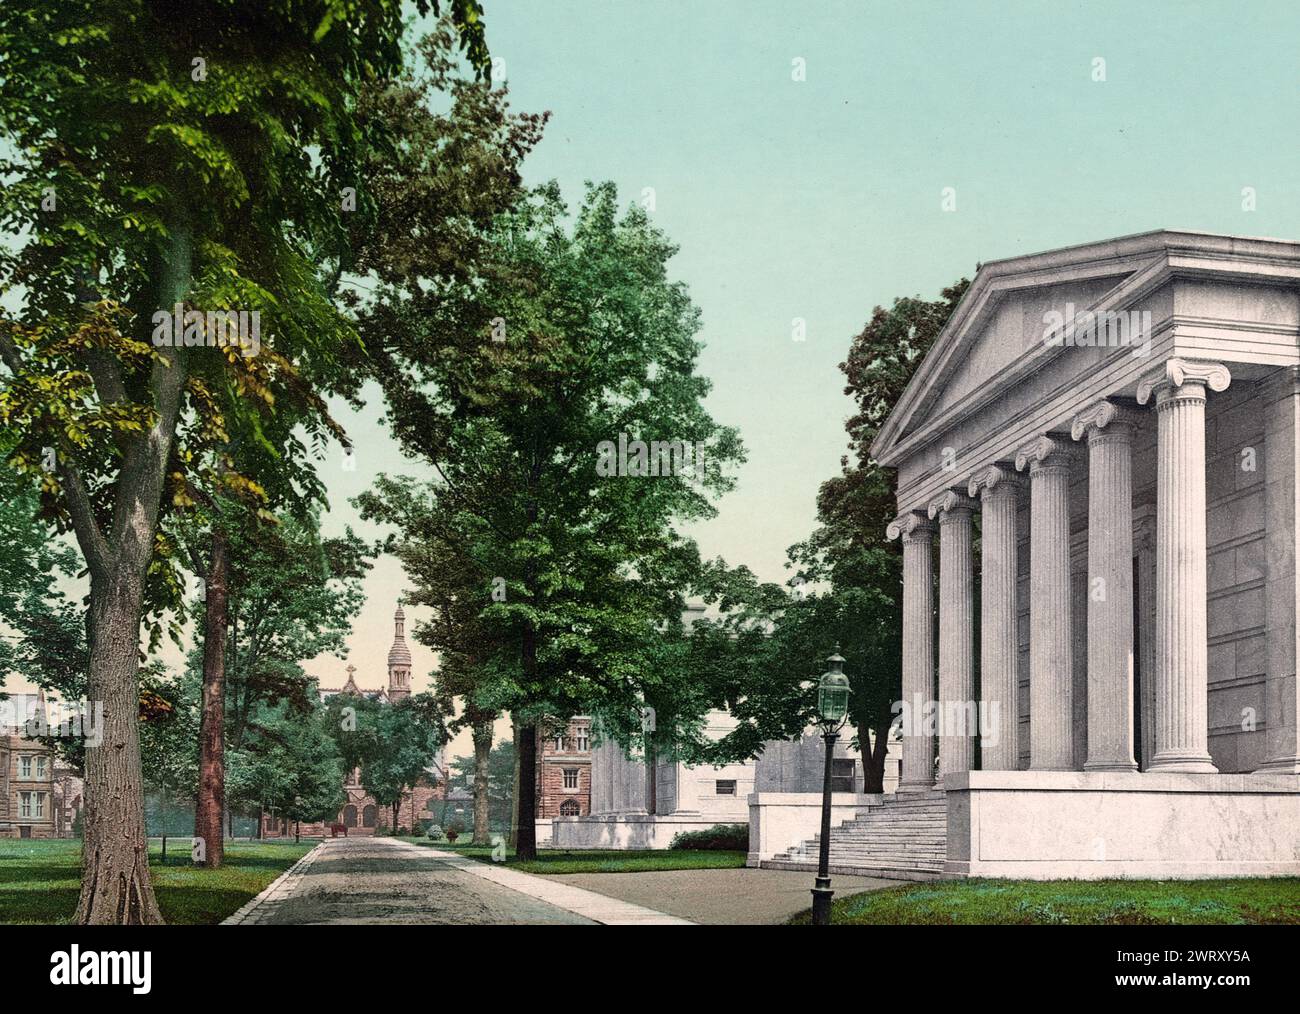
<point x="1119" y="423"/>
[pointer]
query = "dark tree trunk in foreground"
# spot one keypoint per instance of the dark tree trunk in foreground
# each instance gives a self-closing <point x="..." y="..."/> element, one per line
<point x="526" y="844"/>
<point x="209" y="813"/>
<point x="514" y="786"/>
<point x="115" y="883"/>
<point x="482" y="755"/>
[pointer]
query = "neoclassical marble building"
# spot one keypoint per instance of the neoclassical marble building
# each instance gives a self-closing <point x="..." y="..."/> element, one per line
<point x="1116" y="427"/>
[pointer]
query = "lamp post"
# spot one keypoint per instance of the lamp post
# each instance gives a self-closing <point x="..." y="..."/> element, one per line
<point x="832" y="709"/>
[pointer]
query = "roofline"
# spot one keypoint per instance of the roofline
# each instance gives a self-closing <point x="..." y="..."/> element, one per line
<point x="1118" y="249"/>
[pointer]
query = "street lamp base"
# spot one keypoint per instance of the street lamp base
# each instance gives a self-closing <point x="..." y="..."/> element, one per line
<point x="821" y="906"/>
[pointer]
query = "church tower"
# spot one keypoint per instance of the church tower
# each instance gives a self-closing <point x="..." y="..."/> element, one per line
<point x="399" y="660"/>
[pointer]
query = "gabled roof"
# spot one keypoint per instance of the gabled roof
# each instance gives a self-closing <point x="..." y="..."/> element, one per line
<point x="1110" y="274"/>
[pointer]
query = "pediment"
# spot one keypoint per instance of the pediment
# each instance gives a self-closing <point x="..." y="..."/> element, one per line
<point x="996" y="334"/>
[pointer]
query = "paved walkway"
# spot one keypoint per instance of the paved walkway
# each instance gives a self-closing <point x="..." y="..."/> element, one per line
<point x="722" y="897"/>
<point x="379" y="880"/>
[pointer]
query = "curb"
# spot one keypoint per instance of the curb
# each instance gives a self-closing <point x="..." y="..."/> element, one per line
<point x="265" y="904"/>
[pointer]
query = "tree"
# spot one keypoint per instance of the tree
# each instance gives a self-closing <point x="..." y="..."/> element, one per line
<point x="847" y="582"/>
<point x="576" y="559"/>
<point x="165" y="179"/>
<point x="405" y="742"/>
<point x="290" y="765"/>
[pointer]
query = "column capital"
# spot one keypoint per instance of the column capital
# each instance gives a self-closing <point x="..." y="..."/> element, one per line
<point x="1000" y="476"/>
<point x="1171" y="376"/>
<point x="1102" y="416"/>
<point x="1045" y="451"/>
<point x="913" y="524"/>
<point x="950" y="502"/>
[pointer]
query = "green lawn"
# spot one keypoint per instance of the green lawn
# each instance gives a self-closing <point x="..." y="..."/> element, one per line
<point x="602" y="860"/>
<point x="40" y="880"/>
<point x="1074" y="902"/>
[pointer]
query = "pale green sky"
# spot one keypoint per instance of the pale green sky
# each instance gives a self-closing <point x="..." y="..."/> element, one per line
<point x="820" y="198"/>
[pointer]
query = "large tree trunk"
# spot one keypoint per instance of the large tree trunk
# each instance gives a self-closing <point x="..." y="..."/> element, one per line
<point x="210" y="810"/>
<point x="482" y="753"/>
<point x="526" y="843"/>
<point x="115" y="883"/>
<point x="514" y="786"/>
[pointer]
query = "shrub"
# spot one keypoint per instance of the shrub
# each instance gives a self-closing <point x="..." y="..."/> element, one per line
<point x="434" y="832"/>
<point x="719" y="837"/>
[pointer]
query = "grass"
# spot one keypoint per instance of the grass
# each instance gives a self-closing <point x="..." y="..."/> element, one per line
<point x="601" y="860"/>
<point x="1074" y="902"/>
<point x="40" y="880"/>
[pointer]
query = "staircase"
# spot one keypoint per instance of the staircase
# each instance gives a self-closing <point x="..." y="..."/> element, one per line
<point x="901" y="838"/>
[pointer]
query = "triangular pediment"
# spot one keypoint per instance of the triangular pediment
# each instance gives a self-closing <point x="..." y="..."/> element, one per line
<point x="996" y="336"/>
<point x="1015" y="329"/>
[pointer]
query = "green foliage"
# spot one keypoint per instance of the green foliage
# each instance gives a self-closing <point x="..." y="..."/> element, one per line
<point x="846" y="589"/>
<point x="589" y="572"/>
<point x="724" y="837"/>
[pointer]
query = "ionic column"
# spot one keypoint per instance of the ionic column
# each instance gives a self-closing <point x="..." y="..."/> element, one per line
<point x="1182" y="687"/>
<point x="1051" y="665"/>
<point x="957" y="725"/>
<point x="998" y="488"/>
<point x="917" y="533"/>
<point x="1280" y="393"/>
<point x="1109" y="429"/>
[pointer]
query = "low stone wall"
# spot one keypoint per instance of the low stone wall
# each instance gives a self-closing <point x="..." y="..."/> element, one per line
<point x="781" y="820"/>
<point x="1044" y="825"/>
<point x="625" y="831"/>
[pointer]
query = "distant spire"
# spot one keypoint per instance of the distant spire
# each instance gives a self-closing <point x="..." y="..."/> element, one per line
<point x="399" y="658"/>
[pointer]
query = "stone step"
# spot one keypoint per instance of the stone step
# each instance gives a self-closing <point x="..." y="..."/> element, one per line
<point x="883" y="872"/>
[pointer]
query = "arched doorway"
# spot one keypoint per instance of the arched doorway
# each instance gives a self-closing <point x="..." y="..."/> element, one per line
<point x="349" y="816"/>
<point x="368" y="816"/>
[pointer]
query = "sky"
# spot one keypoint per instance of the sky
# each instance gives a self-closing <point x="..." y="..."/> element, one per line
<point x="798" y="154"/>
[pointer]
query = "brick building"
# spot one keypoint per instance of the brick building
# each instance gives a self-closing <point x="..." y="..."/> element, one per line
<point x="360" y="813"/>
<point x="564" y="769"/>
<point x="27" y="805"/>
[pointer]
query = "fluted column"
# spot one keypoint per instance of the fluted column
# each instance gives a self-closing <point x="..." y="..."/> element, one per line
<point x="958" y="719"/>
<point x="917" y="533"/>
<point x="1280" y="394"/>
<point x="1051" y="664"/>
<point x="999" y="489"/>
<point x="1109" y="429"/>
<point x="1182" y="687"/>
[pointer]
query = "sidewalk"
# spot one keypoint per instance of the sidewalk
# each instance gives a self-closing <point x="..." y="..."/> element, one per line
<point x="719" y="897"/>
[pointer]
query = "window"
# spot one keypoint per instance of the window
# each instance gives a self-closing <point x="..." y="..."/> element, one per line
<point x="725" y="787"/>
<point x="843" y="774"/>
<point x="24" y="767"/>
<point x="584" y="743"/>
<point x="570" y="778"/>
<point x="559" y="744"/>
<point x="31" y="805"/>
<point x="570" y="808"/>
<point x="40" y="767"/>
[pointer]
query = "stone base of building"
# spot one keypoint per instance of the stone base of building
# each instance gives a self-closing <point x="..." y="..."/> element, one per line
<point x="32" y="831"/>
<point x="1090" y="825"/>
<point x="625" y="831"/>
<point x="779" y="821"/>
